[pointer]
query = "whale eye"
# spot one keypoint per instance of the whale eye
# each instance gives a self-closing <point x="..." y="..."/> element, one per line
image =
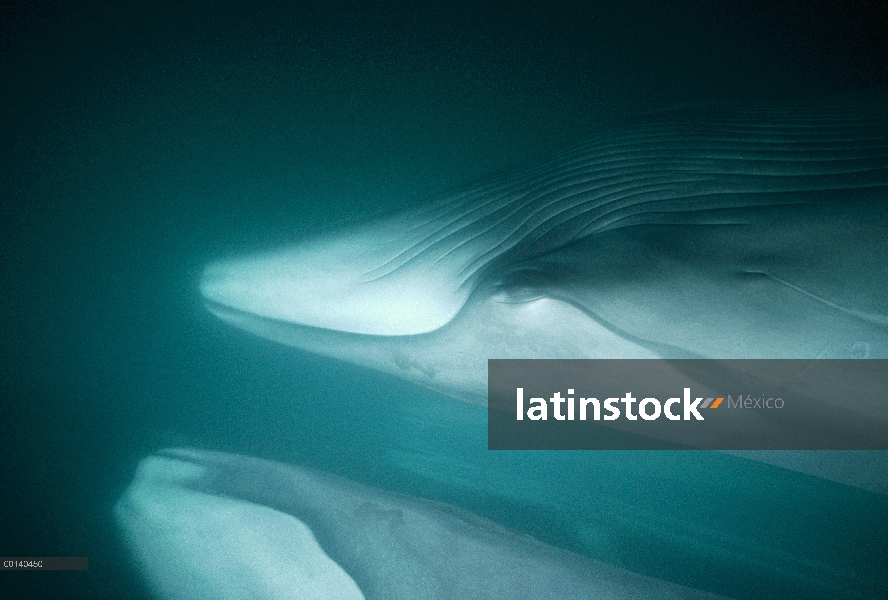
<point x="522" y="285"/>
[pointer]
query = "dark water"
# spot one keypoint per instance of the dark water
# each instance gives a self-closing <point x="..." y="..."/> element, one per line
<point x="142" y="140"/>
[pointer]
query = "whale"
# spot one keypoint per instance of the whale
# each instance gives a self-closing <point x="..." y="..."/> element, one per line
<point x="215" y="525"/>
<point x="704" y="233"/>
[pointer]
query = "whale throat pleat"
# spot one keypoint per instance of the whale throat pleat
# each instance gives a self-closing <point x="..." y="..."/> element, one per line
<point x="754" y="159"/>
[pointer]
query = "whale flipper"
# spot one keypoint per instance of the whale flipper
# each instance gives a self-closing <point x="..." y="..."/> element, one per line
<point x="214" y="525"/>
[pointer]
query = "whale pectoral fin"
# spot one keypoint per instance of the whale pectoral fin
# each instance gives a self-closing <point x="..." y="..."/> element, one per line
<point x="215" y="525"/>
<point x="194" y="545"/>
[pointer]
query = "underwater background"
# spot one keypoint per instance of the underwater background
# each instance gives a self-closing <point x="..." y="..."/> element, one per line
<point x="141" y="140"/>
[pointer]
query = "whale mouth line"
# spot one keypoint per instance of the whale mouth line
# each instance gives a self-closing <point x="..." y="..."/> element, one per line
<point x="222" y="310"/>
<point x="252" y="322"/>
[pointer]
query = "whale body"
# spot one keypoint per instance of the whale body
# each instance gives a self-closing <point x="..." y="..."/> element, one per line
<point x="717" y="233"/>
<point x="214" y="525"/>
<point x="709" y="234"/>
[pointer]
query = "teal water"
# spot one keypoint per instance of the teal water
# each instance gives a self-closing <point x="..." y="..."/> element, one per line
<point x="142" y="141"/>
